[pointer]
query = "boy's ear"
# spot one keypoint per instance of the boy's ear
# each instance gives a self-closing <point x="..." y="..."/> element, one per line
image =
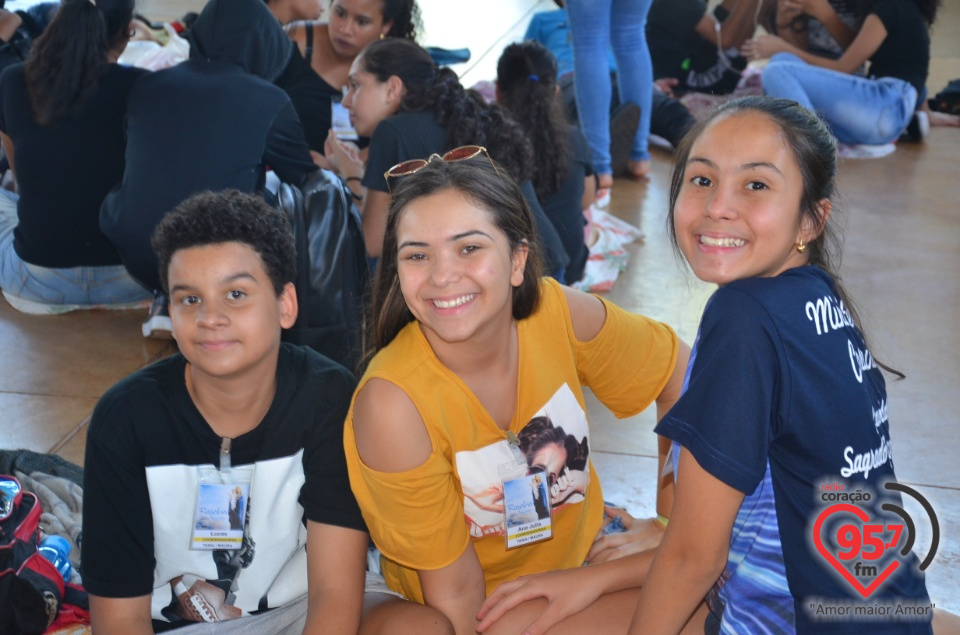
<point x="288" y="306"/>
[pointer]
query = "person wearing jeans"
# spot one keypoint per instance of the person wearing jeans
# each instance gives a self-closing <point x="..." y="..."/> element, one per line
<point x="35" y="289"/>
<point x="859" y="110"/>
<point x="595" y="30"/>
<point x="872" y="110"/>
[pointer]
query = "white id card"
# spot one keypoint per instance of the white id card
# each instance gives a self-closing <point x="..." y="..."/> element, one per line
<point x="340" y="120"/>
<point x="526" y="505"/>
<point x="222" y="509"/>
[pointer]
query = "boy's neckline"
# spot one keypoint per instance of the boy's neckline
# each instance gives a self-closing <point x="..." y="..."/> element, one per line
<point x="244" y="416"/>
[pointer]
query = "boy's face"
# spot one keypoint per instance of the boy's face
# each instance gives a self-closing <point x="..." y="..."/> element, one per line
<point x="226" y="315"/>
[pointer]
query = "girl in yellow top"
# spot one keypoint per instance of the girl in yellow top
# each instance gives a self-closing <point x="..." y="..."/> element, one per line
<point x="478" y="363"/>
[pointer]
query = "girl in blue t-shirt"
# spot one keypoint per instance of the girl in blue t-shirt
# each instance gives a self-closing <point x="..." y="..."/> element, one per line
<point x="783" y="410"/>
<point x="783" y="401"/>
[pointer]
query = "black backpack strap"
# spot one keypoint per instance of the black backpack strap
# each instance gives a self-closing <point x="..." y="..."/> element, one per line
<point x="308" y="52"/>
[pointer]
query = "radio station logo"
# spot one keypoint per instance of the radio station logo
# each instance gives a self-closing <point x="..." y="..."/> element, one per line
<point x="866" y="551"/>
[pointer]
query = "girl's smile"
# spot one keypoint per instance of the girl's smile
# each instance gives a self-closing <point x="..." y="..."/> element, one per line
<point x="737" y="214"/>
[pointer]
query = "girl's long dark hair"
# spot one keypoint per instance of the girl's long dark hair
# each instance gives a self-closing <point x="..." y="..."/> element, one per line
<point x="527" y="78"/>
<point x="466" y="117"/>
<point x="480" y="182"/>
<point x="67" y="62"/>
<point x="405" y="15"/>
<point x="815" y="150"/>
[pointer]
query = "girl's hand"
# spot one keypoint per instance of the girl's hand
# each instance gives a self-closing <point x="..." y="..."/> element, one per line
<point x="565" y="593"/>
<point x="640" y="535"/>
<point x="320" y="160"/>
<point x="763" y="47"/>
<point x="344" y="157"/>
<point x="490" y="498"/>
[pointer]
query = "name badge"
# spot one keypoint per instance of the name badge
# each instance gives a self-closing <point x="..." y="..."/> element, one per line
<point x="222" y="509"/>
<point x="526" y="505"/>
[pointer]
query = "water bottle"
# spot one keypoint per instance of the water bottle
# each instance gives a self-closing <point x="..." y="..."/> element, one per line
<point x="57" y="550"/>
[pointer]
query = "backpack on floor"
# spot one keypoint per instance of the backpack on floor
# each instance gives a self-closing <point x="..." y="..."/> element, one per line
<point x="332" y="267"/>
<point x="31" y="588"/>
<point x="948" y="99"/>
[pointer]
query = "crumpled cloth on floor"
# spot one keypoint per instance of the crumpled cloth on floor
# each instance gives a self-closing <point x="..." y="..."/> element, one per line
<point x="608" y="256"/>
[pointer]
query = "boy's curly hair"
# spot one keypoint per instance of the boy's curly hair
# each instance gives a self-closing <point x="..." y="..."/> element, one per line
<point x="210" y="218"/>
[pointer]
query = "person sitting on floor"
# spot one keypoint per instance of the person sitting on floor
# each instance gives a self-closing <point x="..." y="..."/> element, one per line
<point x="873" y="110"/>
<point x="562" y="172"/>
<point x="411" y="108"/>
<point x="216" y="484"/>
<point x="213" y="122"/>
<point x="61" y="123"/>
<point x="318" y="69"/>
<point x="476" y="363"/>
<point x="699" y="48"/>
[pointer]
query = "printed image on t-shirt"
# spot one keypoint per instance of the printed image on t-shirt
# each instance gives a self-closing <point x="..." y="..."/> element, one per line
<point x="556" y="440"/>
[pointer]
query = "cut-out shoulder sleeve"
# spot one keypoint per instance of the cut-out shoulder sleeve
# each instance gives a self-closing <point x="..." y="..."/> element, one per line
<point x="413" y="500"/>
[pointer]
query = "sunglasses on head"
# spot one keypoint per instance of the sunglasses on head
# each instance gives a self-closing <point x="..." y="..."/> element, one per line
<point x="406" y="168"/>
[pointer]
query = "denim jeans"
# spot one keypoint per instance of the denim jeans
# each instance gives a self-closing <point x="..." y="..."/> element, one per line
<point x="595" y="26"/>
<point x="858" y="109"/>
<point x="80" y="286"/>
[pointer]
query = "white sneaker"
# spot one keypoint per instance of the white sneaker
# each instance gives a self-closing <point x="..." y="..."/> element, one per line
<point x="157" y="324"/>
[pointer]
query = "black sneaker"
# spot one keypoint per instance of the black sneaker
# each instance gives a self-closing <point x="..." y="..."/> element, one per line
<point x="157" y="324"/>
<point x="623" y="128"/>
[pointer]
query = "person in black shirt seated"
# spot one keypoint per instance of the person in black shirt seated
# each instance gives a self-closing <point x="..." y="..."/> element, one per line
<point x="216" y="494"/>
<point x="213" y="122"/>
<point x="61" y="119"/>
<point x="411" y="109"/>
<point x="562" y="170"/>
<point x="320" y="63"/>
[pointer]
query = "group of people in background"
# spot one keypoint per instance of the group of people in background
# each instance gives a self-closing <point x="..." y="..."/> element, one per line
<point x="127" y="146"/>
<point x="374" y="498"/>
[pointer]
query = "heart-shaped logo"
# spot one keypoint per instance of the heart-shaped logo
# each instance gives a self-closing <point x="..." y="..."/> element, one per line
<point x="832" y="559"/>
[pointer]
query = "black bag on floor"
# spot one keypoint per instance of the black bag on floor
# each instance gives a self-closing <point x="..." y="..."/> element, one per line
<point x="948" y="99"/>
<point x="332" y="266"/>
<point x="31" y="588"/>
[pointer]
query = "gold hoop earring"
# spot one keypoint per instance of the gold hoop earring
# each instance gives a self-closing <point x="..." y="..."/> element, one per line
<point x="382" y="36"/>
<point x="801" y="247"/>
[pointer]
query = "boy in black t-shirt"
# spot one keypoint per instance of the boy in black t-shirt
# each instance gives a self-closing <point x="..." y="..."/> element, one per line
<point x="209" y="473"/>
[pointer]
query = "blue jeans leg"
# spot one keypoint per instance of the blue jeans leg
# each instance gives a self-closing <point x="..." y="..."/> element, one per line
<point x="593" y="32"/>
<point x="634" y="66"/>
<point x="857" y="109"/>
<point x="81" y="286"/>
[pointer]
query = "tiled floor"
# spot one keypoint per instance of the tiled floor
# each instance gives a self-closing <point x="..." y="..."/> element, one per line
<point x="902" y="263"/>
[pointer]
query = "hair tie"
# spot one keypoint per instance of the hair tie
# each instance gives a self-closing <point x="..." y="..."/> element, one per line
<point x="532" y="78"/>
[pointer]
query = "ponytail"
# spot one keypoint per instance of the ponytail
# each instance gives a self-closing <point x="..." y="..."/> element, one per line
<point x="466" y="117"/>
<point x="71" y="56"/>
<point x="527" y="78"/>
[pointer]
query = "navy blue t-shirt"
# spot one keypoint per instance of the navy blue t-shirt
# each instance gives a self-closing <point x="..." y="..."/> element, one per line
<point x="784" y="403"/>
